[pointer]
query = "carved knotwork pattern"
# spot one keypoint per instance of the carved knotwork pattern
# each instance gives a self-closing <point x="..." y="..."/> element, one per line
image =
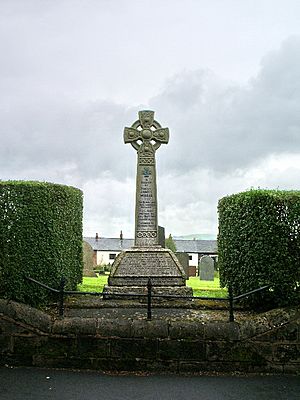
<point x="144" y="160"/>
<point x="151" y="234"/>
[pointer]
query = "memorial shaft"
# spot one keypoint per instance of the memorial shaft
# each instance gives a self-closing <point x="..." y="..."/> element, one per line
<point x="146" y="227"/>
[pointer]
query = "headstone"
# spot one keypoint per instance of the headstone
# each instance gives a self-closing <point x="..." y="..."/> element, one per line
<point x="147" y="258"/>
<point x="183" y="258"/>
<point x="161" y="236"/>
<point x="88" y="260"/>
<point x="206" y="268"/>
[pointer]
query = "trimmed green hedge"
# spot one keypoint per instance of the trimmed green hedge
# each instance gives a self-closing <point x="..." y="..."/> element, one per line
<point x="40" y="236"/>
<point x="259" y="243"/>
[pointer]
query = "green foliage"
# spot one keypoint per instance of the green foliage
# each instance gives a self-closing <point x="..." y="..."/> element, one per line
<point x="107" y="267"/>
<point x="259" y="243"/>
<point x="170" y="244"/>
<point x="40" y="237"/>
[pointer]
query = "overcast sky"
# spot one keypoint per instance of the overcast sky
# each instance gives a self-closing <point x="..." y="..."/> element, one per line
<point x="223" y="75"/>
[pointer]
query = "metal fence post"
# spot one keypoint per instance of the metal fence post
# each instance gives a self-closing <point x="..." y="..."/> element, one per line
<point x="149" y="298"/>
<point x="230" y="298"/>
<point x="61" y="296"/>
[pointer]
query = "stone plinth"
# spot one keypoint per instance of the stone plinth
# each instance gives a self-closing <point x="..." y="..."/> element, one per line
<point x="132" y="269"/>
<point x="180" y="291"/>
<point x="135" y="266"/>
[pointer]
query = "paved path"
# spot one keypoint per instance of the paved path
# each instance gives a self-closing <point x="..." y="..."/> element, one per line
<point x="48" y="384"/>
<point x="93" y="307"/>
<point x="141" y="313"/>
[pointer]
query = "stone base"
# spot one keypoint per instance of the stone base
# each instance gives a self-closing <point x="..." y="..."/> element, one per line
<point x="180" y="291"/>
<point x="134" y="267"/>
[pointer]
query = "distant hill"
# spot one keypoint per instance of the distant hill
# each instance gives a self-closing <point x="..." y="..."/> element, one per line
<point x="197" y="236"/>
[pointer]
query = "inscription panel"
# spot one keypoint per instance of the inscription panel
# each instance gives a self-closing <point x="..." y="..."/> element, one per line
<point x="148" y="264"/>
<point x="146" y="206"/>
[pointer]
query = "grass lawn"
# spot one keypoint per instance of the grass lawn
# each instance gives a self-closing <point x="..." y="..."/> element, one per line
<point x="93" y="284"/>
<point x="200" y="288"/>
<point x="206" y="288"/>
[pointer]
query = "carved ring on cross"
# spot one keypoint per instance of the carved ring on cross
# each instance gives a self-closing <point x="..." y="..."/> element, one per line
<point x="146" y="131"/>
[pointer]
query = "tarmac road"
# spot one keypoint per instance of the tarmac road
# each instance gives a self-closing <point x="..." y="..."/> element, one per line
<point x="52" y="384"/>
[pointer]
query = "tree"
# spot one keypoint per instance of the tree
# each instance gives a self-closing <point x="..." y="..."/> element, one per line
<point x="259" y="244"/>
<point x="40" y="237"/>
<point x="170" y="244"/>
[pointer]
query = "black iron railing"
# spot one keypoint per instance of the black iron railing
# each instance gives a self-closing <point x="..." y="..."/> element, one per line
<point x="61" y="292"/>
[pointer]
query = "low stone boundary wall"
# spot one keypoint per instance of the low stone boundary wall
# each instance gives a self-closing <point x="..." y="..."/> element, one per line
<point x="32" y="338"/>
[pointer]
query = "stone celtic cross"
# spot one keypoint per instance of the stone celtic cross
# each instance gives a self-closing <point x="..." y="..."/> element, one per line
<point x="146" y="135"/>
<point x="133" y="267"/>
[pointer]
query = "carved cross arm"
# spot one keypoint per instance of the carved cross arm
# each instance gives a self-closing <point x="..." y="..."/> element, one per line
<point x="161" y="135"/>
<point x="131" y="135"/>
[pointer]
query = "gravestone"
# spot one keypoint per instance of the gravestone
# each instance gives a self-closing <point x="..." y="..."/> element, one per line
<point x="88" y="260"/>
<point x="161" y="236"/>
<point x="184" y="261"/>
<point x="206" y="268"/>
<point x="147" y="258"/>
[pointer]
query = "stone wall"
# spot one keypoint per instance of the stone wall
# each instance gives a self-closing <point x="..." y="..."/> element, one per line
<point x="30" y="337"/>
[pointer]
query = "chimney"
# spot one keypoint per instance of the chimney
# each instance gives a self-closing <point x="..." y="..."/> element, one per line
<point x="97" y="237"/>
<point x="121" y="235"/>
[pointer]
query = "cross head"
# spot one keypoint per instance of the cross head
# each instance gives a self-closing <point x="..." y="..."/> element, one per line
<point x="147" y="132"/>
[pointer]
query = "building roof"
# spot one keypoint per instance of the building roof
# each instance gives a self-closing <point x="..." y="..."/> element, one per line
<point x="197" y="246"/>
<point x="109" y="244"/>
<point x="187" y="246"/>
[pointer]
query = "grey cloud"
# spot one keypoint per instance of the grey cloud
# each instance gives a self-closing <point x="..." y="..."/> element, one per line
<point x="53" y="134"/>
<point x="224" y="127"/>
<point x="60" y="60"/>
<point x="214" y="125"/>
